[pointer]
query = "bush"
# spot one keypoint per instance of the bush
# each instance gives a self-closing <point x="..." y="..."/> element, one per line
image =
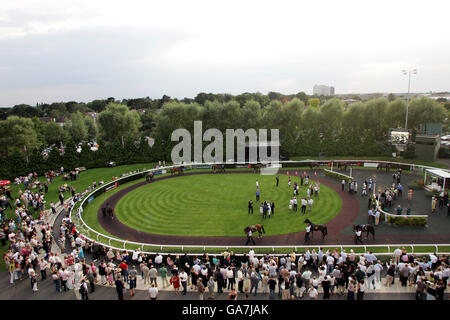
<point x="407" y="221"/>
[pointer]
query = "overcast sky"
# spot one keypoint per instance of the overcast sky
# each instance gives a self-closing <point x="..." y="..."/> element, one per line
<point x="58" y="50"/>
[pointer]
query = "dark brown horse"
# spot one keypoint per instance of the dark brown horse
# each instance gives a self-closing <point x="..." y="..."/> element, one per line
<point x="254" y="228"/>
<point x="217" y="168"/>
<point x="149" y="176"/>
<point x="365" y="228"/>
<point x="317" y="227"/>
<point x="257" y="167"/>
<point x="180" y="170"/>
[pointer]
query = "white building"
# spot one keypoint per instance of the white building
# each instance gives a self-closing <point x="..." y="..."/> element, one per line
<point x="321" y="90"/>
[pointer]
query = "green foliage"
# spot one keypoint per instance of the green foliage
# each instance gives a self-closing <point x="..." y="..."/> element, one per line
<point x="117" y="122"/>
<point x="337" y="175"/>
<point x="314" y="103"/>
<point x="17" y="135"/>
<point x="407" y="221"/>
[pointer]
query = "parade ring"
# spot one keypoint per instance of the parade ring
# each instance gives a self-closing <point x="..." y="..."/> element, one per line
<point x="131" y="224"/>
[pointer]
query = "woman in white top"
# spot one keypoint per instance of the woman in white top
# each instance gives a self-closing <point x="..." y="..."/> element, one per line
<point x="71" y="279"/>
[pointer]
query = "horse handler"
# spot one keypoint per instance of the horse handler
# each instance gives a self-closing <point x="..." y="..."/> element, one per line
<point x="308" y="231"/>
<point x="358" y="237"/>
<point x="250" y="237"/>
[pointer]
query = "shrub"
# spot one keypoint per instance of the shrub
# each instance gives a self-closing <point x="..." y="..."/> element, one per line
<point x="337" y="175"/>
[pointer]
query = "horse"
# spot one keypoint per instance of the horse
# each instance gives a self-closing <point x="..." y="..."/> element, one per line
<point x="149" y="176"/>
<point x="317" y="227"/>
<point x="256" y="227"/>
<point x="365" y="228"/>
<point x="110" y="212"/>
<point x="382" y="166"/>
<point x="257" y="167"/>
<point x="177" y="169"/>
<point x="342" y="165"/>
<point x="218" y="168"/>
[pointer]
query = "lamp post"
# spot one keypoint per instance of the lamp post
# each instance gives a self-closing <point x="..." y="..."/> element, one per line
<point x="408" y="72"/>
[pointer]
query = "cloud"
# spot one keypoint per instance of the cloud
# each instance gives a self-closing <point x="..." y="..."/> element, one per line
<point x="95" y="49"/>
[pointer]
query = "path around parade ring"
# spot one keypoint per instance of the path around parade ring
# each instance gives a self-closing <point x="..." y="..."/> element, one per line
<point x="339" y="228"/>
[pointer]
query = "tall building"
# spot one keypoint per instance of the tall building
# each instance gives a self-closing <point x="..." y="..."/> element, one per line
<point x="320" y="90"/>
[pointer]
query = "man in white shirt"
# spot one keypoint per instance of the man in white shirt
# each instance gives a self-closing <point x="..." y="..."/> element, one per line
<point x="397" y="254"/>
<point x="308" y="231"/>
<point x="183" y="279"/>
<point x="153" y="292"/>
<point x="306" y="277"/>
<point x="378" y="267"/>
<point x="158" y="260"/>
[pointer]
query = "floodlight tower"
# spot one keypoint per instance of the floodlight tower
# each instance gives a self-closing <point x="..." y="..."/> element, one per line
<point x="408" y="72"/>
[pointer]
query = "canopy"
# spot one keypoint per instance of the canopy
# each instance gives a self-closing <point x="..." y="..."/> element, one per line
<point x="4" y="182"/>
<point x="438" y="173"/>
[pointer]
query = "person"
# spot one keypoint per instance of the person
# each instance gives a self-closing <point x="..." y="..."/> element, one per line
<point x="304" y="203"/>
<point x="250" y="206"/>
<point x="119" y="287"/>
<point x="163" y="274"/>
<point x="211" y="286"/>
<point x="183" y="278"/>
<point x="351" y="290"/>
<point x="310" y="204"/>
<point x="83" y="290"/>
<point x="294" y="201"/>
<point x="257" y="194"/>
<point x="232" y="295"/>
<point x="132" y="281"/>
<point x="343" y="184"/>
<point x="433" y="204"/>
<point x="153" y="292"/>
<point x="358" y="236"/>
<point x="254" y="282"/>
<point x="175" y="282"/>
<point x="34" y="280"/>
<point x="399" y="210"/>
<point x="200" y="288"/>
<point x="278" y="180"/>
<point x="360" y="290"/>
<point x="326" y="288"/>
<point x="421" y="285"/>
<point x="313" y="293"/>
<point x="272" y="207"/>
<point x="308" y="231"/>
<point x="272" y="285"/>
<point x="250" y="237"/>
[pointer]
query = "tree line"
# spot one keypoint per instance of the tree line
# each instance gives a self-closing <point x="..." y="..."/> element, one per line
<point x="308" y="126"/>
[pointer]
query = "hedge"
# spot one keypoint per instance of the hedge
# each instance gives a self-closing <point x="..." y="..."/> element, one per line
<point x="337" y="175"/>
<point x="405" y="220"/>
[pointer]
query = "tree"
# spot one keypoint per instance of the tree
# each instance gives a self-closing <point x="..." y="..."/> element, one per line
<point x="18" y="135"/>
<point x="24" y="110"/>
<point x="314" y="103"/>
<point x="76" y="127"/>
<point x="395" y="113"/>
<point x="425" y="110"/>
<point x="302" y="96"/>
<point x="55" y="134"/>
<point x="92" y="129"/>
<point x="117" y="122"/>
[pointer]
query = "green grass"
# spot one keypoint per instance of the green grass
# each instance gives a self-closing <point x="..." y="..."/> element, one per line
<point x="216" y="205"/>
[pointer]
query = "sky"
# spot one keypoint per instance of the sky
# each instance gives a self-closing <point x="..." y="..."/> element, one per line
<point x="58" y="50"/>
